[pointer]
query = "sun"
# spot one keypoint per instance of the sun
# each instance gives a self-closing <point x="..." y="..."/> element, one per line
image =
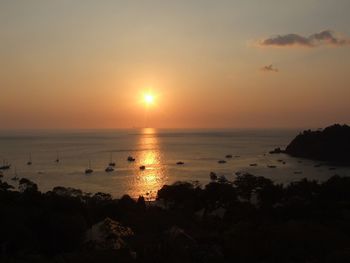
<point x="149" y="99"/>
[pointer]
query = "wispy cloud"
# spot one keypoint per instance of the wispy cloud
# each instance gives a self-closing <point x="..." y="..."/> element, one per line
<point x="269" y="68"/>
<point x="323" y="38"/>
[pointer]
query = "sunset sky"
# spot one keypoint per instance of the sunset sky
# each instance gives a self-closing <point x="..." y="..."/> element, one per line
<point x="208" y="64"/>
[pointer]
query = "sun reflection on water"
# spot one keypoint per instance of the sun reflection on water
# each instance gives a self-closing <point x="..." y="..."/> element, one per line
<point x="153" y="177"/>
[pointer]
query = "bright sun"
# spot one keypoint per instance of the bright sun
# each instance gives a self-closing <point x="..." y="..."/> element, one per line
<point x="149" y="99"/>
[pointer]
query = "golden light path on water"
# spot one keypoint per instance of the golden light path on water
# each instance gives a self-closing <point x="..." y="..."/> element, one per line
<point x="147" y="182"/>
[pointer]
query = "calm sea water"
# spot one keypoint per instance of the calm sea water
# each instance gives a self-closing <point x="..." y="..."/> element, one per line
<point x="158" y="150"/>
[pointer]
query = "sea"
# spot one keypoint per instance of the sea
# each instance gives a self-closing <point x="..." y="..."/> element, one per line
<point x="158" y="150"/>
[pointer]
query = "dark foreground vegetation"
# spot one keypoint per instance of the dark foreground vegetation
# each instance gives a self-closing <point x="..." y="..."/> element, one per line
<point x="248" y="220"/>
<point x="330" y="144"/>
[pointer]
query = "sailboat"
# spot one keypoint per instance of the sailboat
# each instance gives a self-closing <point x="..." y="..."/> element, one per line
<point x="57" y="158"/>
<point x="89" y="170"/>
<point x="15" y="178"/>
<point x="111" y="163"/>
<point x="5" y="165"/>
<point x="109" y="169"/>
<point x="30" y="159"/>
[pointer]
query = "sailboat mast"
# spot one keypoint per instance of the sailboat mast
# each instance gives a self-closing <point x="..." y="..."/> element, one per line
<point x="57" y="157"/>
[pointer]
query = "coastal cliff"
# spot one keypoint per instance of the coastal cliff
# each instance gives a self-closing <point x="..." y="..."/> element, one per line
<point x="330" y="144"/>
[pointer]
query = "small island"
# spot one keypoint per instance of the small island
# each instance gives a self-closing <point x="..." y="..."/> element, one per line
<point x="331" y="144"/>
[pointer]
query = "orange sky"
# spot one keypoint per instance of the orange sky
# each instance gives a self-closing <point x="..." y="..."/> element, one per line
<point x="87" y="64"/>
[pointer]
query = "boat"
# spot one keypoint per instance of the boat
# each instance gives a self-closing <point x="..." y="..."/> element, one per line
<point x="271" y="166"/>
<point x="30" y="160"/>
<point x="15" y="178"/>
<point x="5" y="165"/>
<point x="111" y="163"/>
<point x="180" y="163"/>
<point x="253" y="164"/>
<point x="89" y="170"/>
<point x="277" y="151"/>
<point x="131" y="159"/>
<point x="109" y="169"/>
<point x="142" y="167"/>
<point x="221" y="161"/>
<point x="228" y="156"/>
<point x="57" y="158"/>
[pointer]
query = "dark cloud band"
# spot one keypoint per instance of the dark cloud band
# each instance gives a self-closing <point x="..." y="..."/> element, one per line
<point x="325" y="37"/>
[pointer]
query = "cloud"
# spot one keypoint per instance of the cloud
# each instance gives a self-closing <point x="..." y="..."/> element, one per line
<point x="323" y="38"/>
<point x="269" y="68"/>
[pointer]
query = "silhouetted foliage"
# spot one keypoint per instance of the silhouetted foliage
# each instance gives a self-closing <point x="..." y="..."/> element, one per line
<point x="141" y="203"/>
<point x="219" y="194"/>
<point x="248" y="220"/>
<point x="5" y="186"/>
<point x="26" y="185"/>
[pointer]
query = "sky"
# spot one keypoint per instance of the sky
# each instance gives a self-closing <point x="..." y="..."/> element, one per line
<point x="209" y="64"/>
